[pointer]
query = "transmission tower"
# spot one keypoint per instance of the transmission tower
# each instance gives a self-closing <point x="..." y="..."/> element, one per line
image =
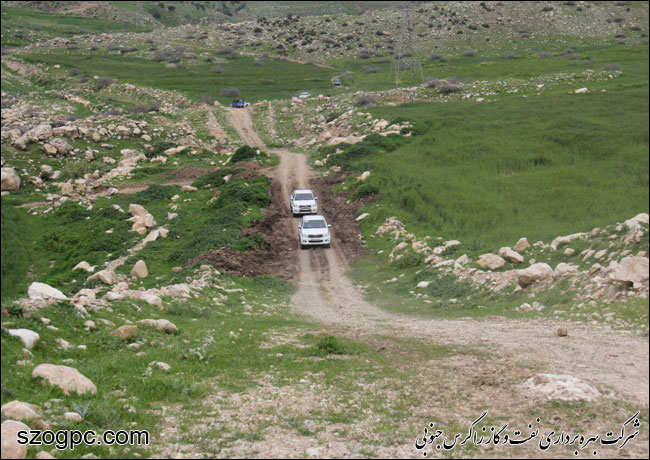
<point x="406" y="56"/>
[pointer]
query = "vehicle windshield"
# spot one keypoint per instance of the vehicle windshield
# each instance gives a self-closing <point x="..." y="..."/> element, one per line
<point x="304" y="197"/>
<point x="317" y="223"/>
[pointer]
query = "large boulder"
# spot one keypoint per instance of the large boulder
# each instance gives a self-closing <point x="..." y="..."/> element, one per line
<point x="27" y="337"/>
<point x="490" y="261"/>
<point x="140" y="269"/>
<point x="45" y="291"/>
<point x="106" y="276"/>
<point x="631" y="269"/>
<point x="10" y="179"/>
<point x="68" y="379"/>
<point x="18" y="410"/>
<point x="534" y="273"/>
<point x="522" y="245"/>
<point x="10" y="446"/>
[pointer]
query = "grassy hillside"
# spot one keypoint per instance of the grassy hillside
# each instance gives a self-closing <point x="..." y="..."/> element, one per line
<point x="22" y="26"/>
<point x="272" y="79"/>
<point x="538" y="166"/>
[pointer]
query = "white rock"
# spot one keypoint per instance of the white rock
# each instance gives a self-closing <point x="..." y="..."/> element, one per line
<point x="521" y="245"/>
<point x="45" y="291"/>
<point x="140" y="269"/>
<point x="490" y="261"/>
<point x="27" y="337"/>
<point x="563" y="387"/>
<point x="84" y="266"/>
<point x="10" y="179"/>
<point x="534" y="273"/>
<point x="68" y="379"/>
<point x="510" y="255"/>
<point x="18" y="410"/>
<point x="10" y="446"/>
<point x="631" y="269"/>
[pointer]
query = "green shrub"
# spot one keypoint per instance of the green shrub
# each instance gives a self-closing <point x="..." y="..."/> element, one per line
<point x="365" y="190"/>
<point x="245" y="153"/>
<point x="329" y="345"/>
<point x="157" y="192"/>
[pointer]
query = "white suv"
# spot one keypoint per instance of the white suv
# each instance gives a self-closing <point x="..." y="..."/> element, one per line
<point x="303" y="202"/>
<point x="313" y="231"/>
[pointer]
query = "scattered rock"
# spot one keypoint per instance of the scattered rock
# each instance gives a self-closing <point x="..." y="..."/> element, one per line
<point x="68" y="379"/>
<point x="490" y="261"/>
<point x="562" y="332"/>
<point x="27" y="337"/>
<point x="521" y="245"/>
<point x="140" y="269"/>
<point x="534" y="273"/>
<point x="160" y="324"/>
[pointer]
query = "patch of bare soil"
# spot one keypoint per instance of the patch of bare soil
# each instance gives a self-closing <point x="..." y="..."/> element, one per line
<point x="277" y="258"/>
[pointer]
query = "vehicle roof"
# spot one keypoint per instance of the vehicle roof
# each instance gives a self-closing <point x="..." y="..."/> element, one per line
<point x="303" y="191"/>
<point x="313" y="217"/>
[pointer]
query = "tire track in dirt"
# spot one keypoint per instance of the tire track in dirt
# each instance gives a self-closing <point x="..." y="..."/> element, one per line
<point x="613" y="360"/>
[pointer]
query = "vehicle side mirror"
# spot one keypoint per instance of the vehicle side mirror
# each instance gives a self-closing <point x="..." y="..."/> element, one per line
<point x="329" y="225"/>
<point x="315" y="198"/>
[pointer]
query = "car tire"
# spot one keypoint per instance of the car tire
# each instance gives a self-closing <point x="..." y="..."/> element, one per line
<point x="326" y="246"/>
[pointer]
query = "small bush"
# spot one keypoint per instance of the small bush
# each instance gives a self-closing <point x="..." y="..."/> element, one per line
<point x="409" y="260"/>
<point x="448" y="87"/>
<point x="145" y="108"/>
<point x="365" y="100"/>
<point x="329" y="345"/>
<point x="244" y="153"/>
<point x="207" y="99"/>
<point x="157" y="192"/>
<point x="228" y="51"/>
<point x="230" y="92"/>
<point x="365" y="190"/>
<point x="104" y="82"/>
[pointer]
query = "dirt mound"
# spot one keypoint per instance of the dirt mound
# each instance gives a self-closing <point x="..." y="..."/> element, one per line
<point x="277" y="258"/>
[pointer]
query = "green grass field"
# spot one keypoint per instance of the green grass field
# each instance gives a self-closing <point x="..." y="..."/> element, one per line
<point x="539" y="166"/>
<point x="20" y="26"/>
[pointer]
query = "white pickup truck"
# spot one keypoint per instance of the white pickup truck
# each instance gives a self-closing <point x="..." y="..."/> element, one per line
<point x="303" y="202"/>
<point x="313" y="231"/>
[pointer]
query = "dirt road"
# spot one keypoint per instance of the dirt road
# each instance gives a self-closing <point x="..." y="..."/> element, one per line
<point x="616" y="362"/>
